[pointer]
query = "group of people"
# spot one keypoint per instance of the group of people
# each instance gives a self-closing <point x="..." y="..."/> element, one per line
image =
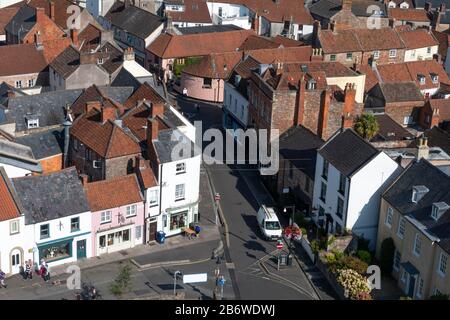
<point x="43" y="271"/>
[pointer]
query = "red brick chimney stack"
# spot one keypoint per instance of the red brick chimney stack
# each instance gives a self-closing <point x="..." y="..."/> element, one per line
<point x="157" y="109"/>
<point x="300" y="101"/>
<point x="108" y="113"/>
<point x="52" y="10"/>
<point x="349" y="106"/>
<point x="323" y="114"/>
<point x="435" y="118"/>
<point x="74" y="37"/>
<point x="346" y="5"/>
<point x="91" y="105"/>
<point x="255" y="24"/>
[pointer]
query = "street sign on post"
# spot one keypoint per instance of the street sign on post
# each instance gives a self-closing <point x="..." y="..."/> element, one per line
<point x="194" y="278"/>
<point x="279" y="245"/>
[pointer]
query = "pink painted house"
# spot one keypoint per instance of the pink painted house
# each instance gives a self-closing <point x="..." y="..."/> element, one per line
<point x="117" y="207"/>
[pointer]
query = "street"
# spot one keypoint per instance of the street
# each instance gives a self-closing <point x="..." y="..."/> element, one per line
<point x="249" y="256"/>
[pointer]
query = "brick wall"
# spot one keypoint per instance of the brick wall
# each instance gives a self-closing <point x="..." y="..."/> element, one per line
<point x="120" y="166"/>
<point x="399" y="110"/>
<point x="384" y="57"/>
<point x="52" y="164"/>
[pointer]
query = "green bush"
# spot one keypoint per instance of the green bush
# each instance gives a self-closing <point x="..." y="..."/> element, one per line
<point x="122" y="281"/>
<point x="440" y="296"/>
<point x="315" y="246"/>
<point x="364" y="256"/>
<point x="304" y="232"/>
<point x="387" y="255"/>
<point x="348" y="262"/>
<point x="330" y="257"/>
<point x="299" y="219"/>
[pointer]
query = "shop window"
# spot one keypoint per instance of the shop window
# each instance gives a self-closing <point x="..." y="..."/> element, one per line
<point x="56" y="251"/>
<point x="178" y="220"/>
<point x="110" y="239"/>
<point x="126" y="235"/>
<point x="207" y="82"/>
<point x="75" y="224"/>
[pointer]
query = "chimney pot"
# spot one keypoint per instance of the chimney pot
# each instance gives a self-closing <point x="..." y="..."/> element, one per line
<point x="40" y="15"/>
<point x="157" y="109"/>
<point x="91" y="105"/>
<point x="323" y="116"/>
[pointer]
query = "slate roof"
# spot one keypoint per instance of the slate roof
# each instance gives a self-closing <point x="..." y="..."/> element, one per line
<point x="434" y="3"/>
<point x="399" y="195"/>
<point x="24" y="21"/>
<point x="8" y="206"/>
<point x="69" y="60"/>
<point x="299" y="145"/>
<point x="96" y="93"/>
<point x="168" y="140"/>
<point x="436" y="138"/>
<point x="18" y="155"/>
<point x="390" y="130"/>
<point x="348" y="152"/>
<point x="125" y="79"/>
<point x="328" y="8"/>
<point x="209" y="29"/>
<point x="48" y="107"/>
<point x="400" y="92"/>
<point x="6" y="14"/>
<point x="44" y="144"/>
<point x="21" y="59"/>
<point x="134" y="20"/>
<point x="113" y="193"/>
<point x="51" y="196"/>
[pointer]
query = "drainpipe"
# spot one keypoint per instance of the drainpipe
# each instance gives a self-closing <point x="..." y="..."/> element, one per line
<point x="67" y="125"/>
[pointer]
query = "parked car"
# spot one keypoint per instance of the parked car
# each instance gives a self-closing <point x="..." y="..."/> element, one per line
<point x="268" y="223"/>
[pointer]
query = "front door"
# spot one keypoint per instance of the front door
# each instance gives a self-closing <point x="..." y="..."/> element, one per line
<point x="81" y="249"/>
<point x="152" y="231"/>
<point x="16" y="261"/>
<point x="412" y="284"/>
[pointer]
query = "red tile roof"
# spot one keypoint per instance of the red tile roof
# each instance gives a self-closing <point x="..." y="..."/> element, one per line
<point x="286" y="42"/>
<point x="195" y="11"/>
<point x="107" y="139"/>
<point x="61" y="8"/>
<point x="21" y="59"/>
<point x="145" y="91"/>
<point x="409" y="71"/>
<point x="292" y="54"/>
<point x="215" y="65"/>
<point x="416" y="15"/>
<point x="419" y="38"/>
<point x="8" y="208"/>
<point x="113" y="193"/>
<point x="444" y="108"/>
<point x="89" y="38"/>
<point x="189" y="45"/>
<point x="6" y="14"/>
<point x="255" y="42"/>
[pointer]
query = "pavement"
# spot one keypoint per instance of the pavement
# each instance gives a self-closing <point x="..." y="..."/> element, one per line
<point x="150" y="259"/>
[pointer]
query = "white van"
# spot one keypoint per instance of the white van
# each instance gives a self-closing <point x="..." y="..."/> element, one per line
<point x="268" y="223"/>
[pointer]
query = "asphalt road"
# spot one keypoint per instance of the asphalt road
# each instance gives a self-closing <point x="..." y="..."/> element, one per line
<point x="247" y="247"/>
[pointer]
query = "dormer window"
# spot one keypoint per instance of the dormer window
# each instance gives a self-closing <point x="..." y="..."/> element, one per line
<point x="438" y="209"/>
<point x="32" y="123"/>
<point x="418" y="193"/>
<point x="100" y="61"/>
<point x="312" y="84"/>
<point x="392" y="53"/>
<point x="421" y="78"/>
<point x="434" y="78"/>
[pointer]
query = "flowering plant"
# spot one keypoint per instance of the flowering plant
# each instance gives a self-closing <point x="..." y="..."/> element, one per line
<point x="292" y="231"/>
<point x="355" y="285"/>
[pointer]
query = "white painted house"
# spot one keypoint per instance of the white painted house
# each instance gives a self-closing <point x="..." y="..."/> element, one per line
<point x="350" y="176"/>
<point x="16" y="246"/>
<point x="99" y="7"/>
<point x="6" y="3"/>
<point x="18" y="160"/>
<point x="57" y="216"/>
<point x="230" y="13"/>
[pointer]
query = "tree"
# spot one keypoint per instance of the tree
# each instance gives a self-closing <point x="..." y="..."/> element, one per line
<point x="387" y="255"/>
<point x="366" y="126"/>
<point x="122" y="281"/>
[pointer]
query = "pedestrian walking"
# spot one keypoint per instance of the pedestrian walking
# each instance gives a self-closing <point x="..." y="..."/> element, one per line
<point x="44" y="271"/>
<point x="28" y="272"/>
<point x="185" y="92"/>
<point x="2" y="279"/>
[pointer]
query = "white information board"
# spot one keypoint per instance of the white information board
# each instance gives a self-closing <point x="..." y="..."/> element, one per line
<point x="193" y="278"/>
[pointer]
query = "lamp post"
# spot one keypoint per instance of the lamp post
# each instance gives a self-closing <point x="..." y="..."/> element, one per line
<point x="175" y="282"/>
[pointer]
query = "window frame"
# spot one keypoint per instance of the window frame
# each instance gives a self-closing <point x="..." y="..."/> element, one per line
<point x="401" y="222"/>
<point x="150" y="202"/>
<point x="376" y="54"/>
<point x="441" y="256"/>
<point x="420" y="286"/>
<point x="48" y="231"/>
<point x="396" y="266"/>
<point x="131" y="211"/>
<point x="77" y="219"/>
<point x="389" y="216"/>
<point x="392" y="53"/>
<point x="349" y="56"/>
<point x="104" y="213"/>
<point x="417" y="246"/>
<point x="32" y="123"/>
<point x="332" y="57"/>
<point x="182" y="195"/>
<point x="14" y="222"/>
<point x="183" y="169"/>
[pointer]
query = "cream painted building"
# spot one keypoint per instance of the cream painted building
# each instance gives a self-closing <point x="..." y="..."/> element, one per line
<point x="414" y="212"/>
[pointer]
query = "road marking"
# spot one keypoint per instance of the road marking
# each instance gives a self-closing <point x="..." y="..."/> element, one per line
<point x="230" y="265"/>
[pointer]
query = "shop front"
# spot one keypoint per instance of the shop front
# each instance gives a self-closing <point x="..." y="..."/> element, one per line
<point x="174" y="220"/>
<point x="115" y="239"/>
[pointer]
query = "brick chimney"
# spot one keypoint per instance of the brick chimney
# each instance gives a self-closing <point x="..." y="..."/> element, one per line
<point x="91" y="105"/>
<point x="84" y="179"/>
<point x="40" y="15"/>
<point x="323" y="113"/>
<point x="435" y="118"/>
<point x="74" y="37"/>
<point x="300" y="101"/>
<point x="428" y="6"/>
<point x="316" y="32"/>
<point x="52" y="10"/>
<point x="423" y="150"/>
<point x="157" y="109"/>
<point x="349" y="106"/>
<point x="317" y="54"/>
<point x="255" y="23"/>
<point x="152" y="130"/>
<point x="108" y="113"/>
<point x="128" y="54"/>
<point x="346" y="5"/>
